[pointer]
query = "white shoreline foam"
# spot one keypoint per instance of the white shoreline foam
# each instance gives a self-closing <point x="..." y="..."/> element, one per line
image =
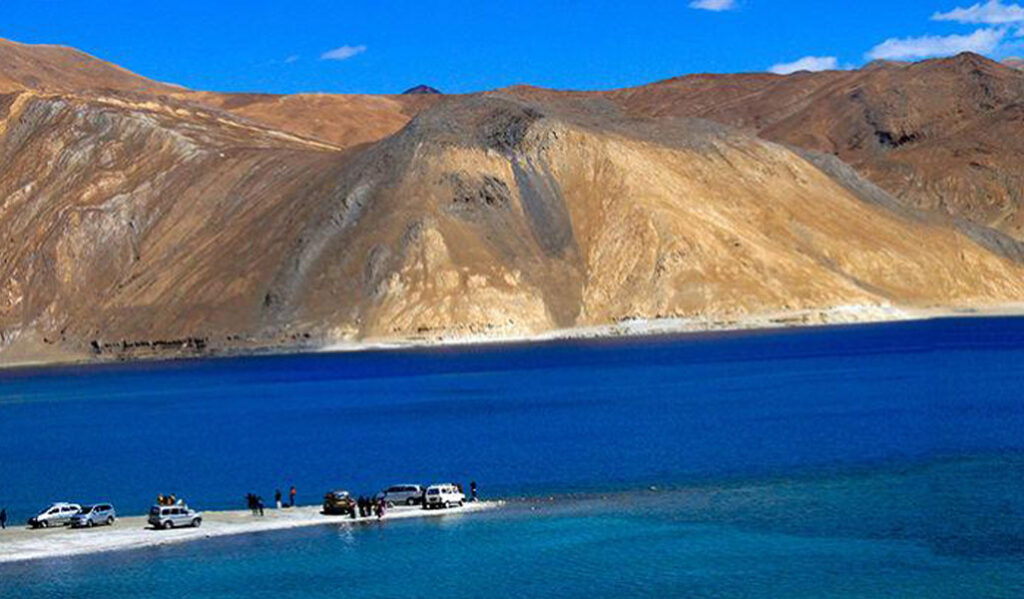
<point x="643" y="327"/>
<point x="23" y="544"/>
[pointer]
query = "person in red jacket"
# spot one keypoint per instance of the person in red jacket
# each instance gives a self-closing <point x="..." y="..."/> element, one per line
<point x="291" y="497"/>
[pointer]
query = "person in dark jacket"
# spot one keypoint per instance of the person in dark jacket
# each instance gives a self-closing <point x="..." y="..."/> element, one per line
<point x="472" y="490"/>
<point x="277" y="498"/>
<point x="3" y="518"/>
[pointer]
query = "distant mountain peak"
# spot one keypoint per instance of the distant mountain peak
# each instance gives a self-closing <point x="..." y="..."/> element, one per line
<point x="421" y="89"/>
<point x="1015" y="62"/>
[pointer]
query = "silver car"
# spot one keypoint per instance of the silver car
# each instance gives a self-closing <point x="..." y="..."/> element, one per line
<point x="57" y="514"/>
<point x="94" y="515"/>
<point x="402" y="495"/>
<point x="174" y="516"/>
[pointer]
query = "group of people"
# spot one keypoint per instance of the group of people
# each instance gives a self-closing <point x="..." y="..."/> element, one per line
<point x="256" y="505"/>
<point x="369" y="506"/>
<point x="169" y="500"/>
<point x="291" y="497"/>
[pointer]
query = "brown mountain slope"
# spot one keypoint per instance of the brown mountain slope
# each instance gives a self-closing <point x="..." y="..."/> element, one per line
<point x="940" y="134"/>
<point x="59" y="68"/>
<point x="344" y="120"/>
<point x="137" y="229"/>
<point x="137" y="222"/>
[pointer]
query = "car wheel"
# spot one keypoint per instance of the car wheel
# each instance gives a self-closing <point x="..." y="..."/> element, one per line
<point x="88" y="523"/>
<point x="110" y="520"/>
<point x="460" y="504"/>
<point x="410" y="501"/>
<point x="44" y="524"/>
<point x="197" y="522"/>
<point x="389" y="504"/>
<point x="447" y="505"/>
<point x="168" y="525"/>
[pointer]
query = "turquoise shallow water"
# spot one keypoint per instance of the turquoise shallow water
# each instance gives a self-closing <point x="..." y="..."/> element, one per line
<point x="949" y="528"/>
<point x="864" y="461"/>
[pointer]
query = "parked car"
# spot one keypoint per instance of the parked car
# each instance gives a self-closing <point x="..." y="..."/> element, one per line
<point x="57" y="514"/>
<point x="443" y="496"/>
<point x="401" y="495"/>
<point x="172" y="516"/>
<point x="94" y="515"/>
<point x="339" y="503"/>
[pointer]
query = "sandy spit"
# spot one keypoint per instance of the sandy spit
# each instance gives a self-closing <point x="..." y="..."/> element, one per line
<point x="22" y="544"/>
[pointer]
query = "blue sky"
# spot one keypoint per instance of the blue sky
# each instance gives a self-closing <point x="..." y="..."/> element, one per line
<point x="461" y="46"/>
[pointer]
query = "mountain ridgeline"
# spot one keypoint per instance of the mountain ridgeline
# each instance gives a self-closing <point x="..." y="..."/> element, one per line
<point x="143" y="219"/>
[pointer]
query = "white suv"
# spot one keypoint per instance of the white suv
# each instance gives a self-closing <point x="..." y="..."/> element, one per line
<point x="171" y="516"/>
<point x="57" y="514"/>
<point x="443" y="496"/>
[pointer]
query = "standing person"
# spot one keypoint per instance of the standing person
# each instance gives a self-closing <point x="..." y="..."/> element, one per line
<point x="3" y="519"/>
<point x="277" y="498"/>
<point x="259" y="504"/>
<point x="291" y="497"/>
<point x="472" y="490"/>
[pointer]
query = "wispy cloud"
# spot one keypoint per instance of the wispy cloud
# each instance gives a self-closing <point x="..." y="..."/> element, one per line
<point x="713" y="5"/>
<point x="291" y="59"/>
<point x="342" y="53"/>
<point x="982" y="41"/>
<point x="993" y="12"/>
<point x="807" y="63"/>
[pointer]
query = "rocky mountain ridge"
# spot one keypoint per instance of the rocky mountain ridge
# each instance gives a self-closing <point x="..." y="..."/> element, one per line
<point x="141" y="220"/>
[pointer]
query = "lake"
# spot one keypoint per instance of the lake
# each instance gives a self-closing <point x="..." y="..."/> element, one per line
<point x="875" y="460"/>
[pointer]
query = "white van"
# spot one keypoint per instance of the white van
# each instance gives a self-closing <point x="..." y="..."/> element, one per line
<point x="443" y="496"/>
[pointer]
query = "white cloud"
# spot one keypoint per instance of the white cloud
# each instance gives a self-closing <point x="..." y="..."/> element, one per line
<point x="342" y="53"/>
<point x="982" y="41"/>
<point x="807" y="63"/>
<point x="713" y="5"/>
<point x="993" y="12"/>
<point x="291" y="59"/>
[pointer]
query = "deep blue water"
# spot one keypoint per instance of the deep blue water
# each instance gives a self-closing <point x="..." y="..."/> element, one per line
<point x="856" y="461"/>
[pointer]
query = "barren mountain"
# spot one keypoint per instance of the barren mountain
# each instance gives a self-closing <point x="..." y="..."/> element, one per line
<point x="59" y="68"/>
<point x="944" y="135"/>
<point x="144" y="221"/>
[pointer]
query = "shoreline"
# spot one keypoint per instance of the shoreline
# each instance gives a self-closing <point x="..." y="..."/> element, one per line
<point x="23" y="544"/>
<point x="638" y="328"/>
